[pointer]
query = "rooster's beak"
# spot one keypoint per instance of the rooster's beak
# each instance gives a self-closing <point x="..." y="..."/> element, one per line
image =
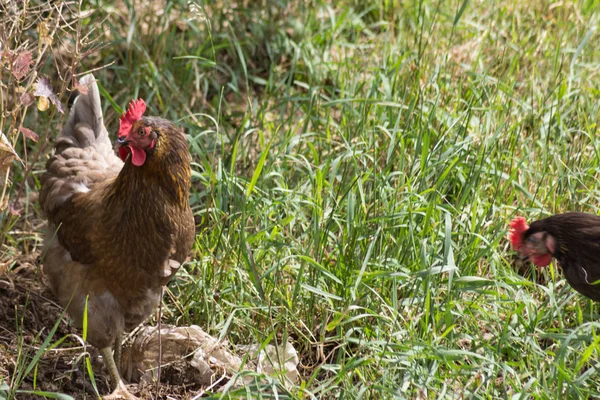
<point x="122" y="140"/>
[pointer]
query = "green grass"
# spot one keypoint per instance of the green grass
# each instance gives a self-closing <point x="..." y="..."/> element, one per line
<point x="356" y="164"/>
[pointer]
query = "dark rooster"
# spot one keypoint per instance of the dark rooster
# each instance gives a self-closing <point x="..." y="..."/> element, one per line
<point x="119" y="228"/>
<point x="572" y="238"/>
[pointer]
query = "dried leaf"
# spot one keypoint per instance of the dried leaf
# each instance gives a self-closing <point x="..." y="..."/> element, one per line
<point x="7" y="154"/>
<point x="140" y="359"/>
<point x="58" y="104"/>
<point x="43" y="88"/>
<point x="275" y="361"/>
<point x="14" y="211"/>
<point x="27" y="99"/>
<point x="21" y="65"/>
<point x="44" y="34"/>
<point x="7" y="56"/>
<point x="43" y="103"/>
<point x="85" y="13"/>
<point x="29" y="134"/>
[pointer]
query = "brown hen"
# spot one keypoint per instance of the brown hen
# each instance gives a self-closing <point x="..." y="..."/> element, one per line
<point x="119" y="228"/>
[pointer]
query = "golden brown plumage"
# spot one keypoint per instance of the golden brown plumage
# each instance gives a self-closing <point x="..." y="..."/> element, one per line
<point x="117" y="231"/>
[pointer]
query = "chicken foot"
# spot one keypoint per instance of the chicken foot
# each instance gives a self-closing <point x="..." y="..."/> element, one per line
<point x="120" y="391"/>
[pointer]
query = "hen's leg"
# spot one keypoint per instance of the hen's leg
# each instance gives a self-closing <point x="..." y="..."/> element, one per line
<point x="120" y="391"/>
<point x="117" y="350"/>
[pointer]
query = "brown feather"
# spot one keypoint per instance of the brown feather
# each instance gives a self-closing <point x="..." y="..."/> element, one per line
<point x="119" y="228"/>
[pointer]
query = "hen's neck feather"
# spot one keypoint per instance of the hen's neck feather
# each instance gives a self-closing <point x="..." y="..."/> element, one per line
<point x="165" y="176"/>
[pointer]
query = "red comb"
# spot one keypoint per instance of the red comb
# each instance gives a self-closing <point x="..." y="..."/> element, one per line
<point x="134" y="113"/>
<point x="518" y="227"/>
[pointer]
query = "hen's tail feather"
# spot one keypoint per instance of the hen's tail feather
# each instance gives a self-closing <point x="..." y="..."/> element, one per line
<point x="85" y="126"/>
<point x="84" y="155"/>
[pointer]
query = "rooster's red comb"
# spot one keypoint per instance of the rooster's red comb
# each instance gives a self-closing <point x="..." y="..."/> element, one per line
<point x="518" y="227"/>
<point x="134" y="113"/>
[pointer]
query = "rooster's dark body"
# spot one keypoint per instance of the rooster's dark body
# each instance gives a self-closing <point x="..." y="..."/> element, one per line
<point x="574" y="240"/>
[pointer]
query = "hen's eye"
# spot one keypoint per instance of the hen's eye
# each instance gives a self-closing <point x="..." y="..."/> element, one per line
<point x="532" y="239"/>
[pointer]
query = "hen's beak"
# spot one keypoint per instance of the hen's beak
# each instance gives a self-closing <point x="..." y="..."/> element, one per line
<point x="122" y="140"/>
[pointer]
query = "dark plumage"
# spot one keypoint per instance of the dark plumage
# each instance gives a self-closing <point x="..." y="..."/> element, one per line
<point x="573" y="239"/>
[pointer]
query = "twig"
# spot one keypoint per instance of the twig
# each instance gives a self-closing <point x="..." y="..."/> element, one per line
<point x="215" y="383"/>
<point x="95" y="69"/>
<point x="158" y="371"/>
<point x="29" y="291"/>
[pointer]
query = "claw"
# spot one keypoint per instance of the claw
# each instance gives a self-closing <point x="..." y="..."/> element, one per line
<point x="120" y="393"/>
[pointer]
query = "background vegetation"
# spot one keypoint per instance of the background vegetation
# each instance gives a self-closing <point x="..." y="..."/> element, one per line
<point x="356" y="163"/>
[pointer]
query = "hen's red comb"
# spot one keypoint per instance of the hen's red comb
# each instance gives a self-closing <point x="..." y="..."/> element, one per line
<point x="518" y="227"/>
<point x="134" y="113"/>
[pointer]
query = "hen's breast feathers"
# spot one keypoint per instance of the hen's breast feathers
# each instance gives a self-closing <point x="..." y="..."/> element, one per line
<point x="128" y="236"/>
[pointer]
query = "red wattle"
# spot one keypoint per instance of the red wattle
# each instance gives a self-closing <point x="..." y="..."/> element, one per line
<point x="542" y="261"/>
<point x="124" y="152"/>
<point x="138" y="156"/>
